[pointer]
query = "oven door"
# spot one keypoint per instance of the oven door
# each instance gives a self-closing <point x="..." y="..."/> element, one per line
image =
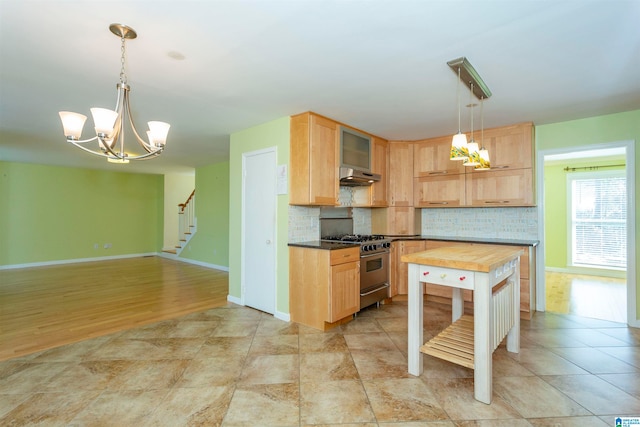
<point x="374" y="278"/>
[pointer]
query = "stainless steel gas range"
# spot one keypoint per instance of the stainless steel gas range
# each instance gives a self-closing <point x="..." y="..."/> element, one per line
<point x="374" y="265"/>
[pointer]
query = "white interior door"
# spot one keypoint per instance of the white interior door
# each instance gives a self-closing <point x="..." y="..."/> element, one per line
<point x="259" y="229"/>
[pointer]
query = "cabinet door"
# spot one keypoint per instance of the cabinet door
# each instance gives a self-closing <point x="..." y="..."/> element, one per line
<point x="323" y="156"/>
<point x="508" y="187"/>
<point x="510" y="147"/>
<point x="431" y="158"/>
<point x="439" y="191"/>
<point x="344" y="291"/>
<point x="400" y="174"/>
<point x="406" y="247"/>
<point x="380" y="165"/>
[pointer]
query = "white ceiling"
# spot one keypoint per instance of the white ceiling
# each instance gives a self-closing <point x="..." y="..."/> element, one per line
<point x="212" y="68"/>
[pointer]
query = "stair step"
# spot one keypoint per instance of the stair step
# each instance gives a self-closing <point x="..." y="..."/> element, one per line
<point x="170" y="251"/>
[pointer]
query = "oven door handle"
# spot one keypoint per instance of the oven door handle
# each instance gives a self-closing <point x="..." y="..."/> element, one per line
<point x="376" y="254"/>
<point x="383" y="286"/>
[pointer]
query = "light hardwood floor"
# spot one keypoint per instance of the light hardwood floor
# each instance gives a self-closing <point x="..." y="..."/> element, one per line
<point x="45" y="307"/>
<point x="603" y="298"/>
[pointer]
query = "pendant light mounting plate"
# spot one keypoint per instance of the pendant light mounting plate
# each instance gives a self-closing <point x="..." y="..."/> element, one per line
<point x="470" y="77"/>
<point x="123" y="31"/>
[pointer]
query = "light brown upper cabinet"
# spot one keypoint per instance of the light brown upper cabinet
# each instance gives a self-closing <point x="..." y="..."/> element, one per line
<point x="510" y="147"/>
<point x="503" y="187"/>
<point x="400" y="174"/>
<point x="510" y="181"/>
<point x="314" y="162"/>
<point x="431" y="158"/>
<point x="441" y="183"/>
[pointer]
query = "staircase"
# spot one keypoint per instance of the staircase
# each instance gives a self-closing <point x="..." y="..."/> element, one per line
<point x="186" y="224"/>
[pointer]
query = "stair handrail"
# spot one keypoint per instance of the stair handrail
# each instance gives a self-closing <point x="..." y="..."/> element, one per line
<point x="186" y="216"/>
<point x="182" y="206"/>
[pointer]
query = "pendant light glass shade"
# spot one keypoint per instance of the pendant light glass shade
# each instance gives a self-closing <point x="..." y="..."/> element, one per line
<point x="459" y="147"/>
<point x="474" y="154"/>
<point x="104" y="120"/>
<point x="72" y="124"/>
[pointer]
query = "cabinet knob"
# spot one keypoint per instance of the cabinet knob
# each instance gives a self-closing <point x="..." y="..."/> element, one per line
<point x="426" y="273"/>
<point x="443" y="275"/>
<point x="462" y="278"/>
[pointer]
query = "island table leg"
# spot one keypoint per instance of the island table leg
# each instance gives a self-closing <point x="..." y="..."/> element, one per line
<point x="415" y="319"/>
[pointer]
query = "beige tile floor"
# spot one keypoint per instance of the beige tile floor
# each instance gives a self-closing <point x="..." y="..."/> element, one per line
<point x="234" y="366"/>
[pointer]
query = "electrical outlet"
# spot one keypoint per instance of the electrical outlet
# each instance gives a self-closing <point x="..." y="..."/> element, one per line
<point x="107" y="245"/>
<point x="96" y="246"/>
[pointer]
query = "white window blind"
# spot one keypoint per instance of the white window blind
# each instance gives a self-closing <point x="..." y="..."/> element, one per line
<point x="598" y="212"/>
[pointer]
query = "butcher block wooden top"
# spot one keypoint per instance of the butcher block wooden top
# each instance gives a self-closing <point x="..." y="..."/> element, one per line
<point x="483" y="258"/>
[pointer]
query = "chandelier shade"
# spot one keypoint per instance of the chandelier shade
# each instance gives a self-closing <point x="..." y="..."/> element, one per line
<point x="109" y="124"/>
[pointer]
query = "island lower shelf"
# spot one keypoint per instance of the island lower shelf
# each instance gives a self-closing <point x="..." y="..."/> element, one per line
<point x="454" y="344"/>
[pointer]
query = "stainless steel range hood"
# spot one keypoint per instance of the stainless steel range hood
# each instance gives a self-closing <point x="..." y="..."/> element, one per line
<point x="354" y="177"/>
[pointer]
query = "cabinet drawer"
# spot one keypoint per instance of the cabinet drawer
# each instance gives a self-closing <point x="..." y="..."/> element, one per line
<point x="444" y="276"/>
<point x="340" y="256"/>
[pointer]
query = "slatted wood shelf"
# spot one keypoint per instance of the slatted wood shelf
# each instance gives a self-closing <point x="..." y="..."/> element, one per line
<point x="454" y="344"/>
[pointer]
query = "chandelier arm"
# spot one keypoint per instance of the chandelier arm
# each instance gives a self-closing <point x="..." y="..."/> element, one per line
<point x="81" y="141"/>
<point x="109" y="150"/>
<point x="97" y="153"/>
<point x="146" y="156"/>
<point x="127" y="112"/>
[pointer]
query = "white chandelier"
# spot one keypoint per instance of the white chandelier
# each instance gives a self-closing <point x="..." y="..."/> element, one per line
<point x="109" y="124"/>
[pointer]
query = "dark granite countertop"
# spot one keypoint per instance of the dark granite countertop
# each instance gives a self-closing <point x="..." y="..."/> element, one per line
<point x="494" y="241"/>
<point x="328" y="246"/>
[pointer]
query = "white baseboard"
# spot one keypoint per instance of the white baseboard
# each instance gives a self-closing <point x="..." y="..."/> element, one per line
<point x="73" y="261"/>
<point x="193" y="261"/>
<point x="234" y="300"/>
<point x="282" y="316"/>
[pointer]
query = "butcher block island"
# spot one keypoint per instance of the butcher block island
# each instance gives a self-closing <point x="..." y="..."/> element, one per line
<point x="493" y="274"/>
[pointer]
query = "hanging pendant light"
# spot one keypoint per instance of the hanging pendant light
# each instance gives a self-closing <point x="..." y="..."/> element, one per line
<point x="459" y="142"/>
<point x="109" y="124"/>
<point x="460" y="149"/>
<point x="483" y="153"/>
<point x="472" y="145"/>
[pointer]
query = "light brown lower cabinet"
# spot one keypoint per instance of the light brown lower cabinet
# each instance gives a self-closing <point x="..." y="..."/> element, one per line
<point x="324" y="286"/>
<point x="399" y="271"/>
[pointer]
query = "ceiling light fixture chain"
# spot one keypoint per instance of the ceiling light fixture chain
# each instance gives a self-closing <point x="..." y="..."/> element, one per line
<point x="109" y="124"/>
<point x="123" y="73"/>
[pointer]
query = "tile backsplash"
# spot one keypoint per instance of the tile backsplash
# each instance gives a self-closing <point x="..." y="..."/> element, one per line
<point x="503" y="223"/>
<point x="304" y="224"/>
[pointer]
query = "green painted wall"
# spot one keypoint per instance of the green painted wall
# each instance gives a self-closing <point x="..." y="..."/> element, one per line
<point x="556" y="209"/>
<point x="210" y="244"/>
<point x="271" y="134"/>
<point x="597" y="130"/>
<point x="52" y="213"/>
